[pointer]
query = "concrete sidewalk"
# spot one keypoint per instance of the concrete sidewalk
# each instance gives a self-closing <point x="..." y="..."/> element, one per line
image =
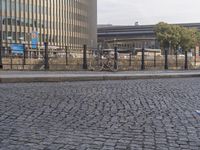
<point x="42" y="76"/>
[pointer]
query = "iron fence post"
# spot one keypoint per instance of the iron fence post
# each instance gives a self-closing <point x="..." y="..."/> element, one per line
<point x="142" y="63"/>
<point x="11" y="59"/>
<point x="24" y="60"/>
<point x="130" y="60"/>
<point x="66" y="51"/>
<point x="166" y="59"/>
<point x="186" y="60"/>
<point x="46" y="57"/>
<point x="85" y="66"/>
<point x="176" y="60"/>
<point x="1" y="63"/>
<point x="116" y="59"/>
<point x="195" y="58"/>
<point x="154" y="59"/>
<point x="101" y="55"/>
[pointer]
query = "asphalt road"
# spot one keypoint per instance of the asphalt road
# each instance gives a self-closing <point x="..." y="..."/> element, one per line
<point x="101" y="115"/>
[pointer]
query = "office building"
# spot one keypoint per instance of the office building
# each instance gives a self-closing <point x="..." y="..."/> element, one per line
<point x="58" y="22"/>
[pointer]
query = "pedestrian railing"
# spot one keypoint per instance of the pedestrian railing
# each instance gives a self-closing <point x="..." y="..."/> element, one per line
<point x="51" y="57"/>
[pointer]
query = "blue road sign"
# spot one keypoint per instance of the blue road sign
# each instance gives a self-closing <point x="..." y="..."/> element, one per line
<point x="17" y="48"/>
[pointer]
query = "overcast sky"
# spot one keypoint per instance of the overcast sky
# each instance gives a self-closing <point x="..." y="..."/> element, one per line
<point x="127" y="12"/>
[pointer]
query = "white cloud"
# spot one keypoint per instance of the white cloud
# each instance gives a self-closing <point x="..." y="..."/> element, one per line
<point x="126" y="12"/>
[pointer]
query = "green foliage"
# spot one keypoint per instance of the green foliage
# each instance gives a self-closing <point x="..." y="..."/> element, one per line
<point x="175" y="36"/>
<point x="163" y="33"/>
<point x="197" y="34"/>
<point x="187" y="39"/>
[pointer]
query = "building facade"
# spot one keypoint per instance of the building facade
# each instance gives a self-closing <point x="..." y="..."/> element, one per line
<point x="129" y="37"/>
<point x="58" y="22"/>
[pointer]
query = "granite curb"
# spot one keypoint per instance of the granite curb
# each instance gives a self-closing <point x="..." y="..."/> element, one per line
<point x="74" y="78"/>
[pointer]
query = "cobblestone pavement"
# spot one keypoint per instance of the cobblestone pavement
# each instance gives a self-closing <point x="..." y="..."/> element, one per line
<point x="109" y="115"/>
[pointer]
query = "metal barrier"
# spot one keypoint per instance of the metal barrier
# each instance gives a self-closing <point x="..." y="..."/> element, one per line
<point x="51" y="57"/>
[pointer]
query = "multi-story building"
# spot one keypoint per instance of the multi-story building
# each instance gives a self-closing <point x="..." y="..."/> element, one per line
<point x="129" y="37"/>
<point x="58" y="22"/>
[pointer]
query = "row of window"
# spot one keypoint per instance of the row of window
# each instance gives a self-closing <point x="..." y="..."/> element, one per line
<point x="69" y="16"/>
<point x="44" y="24"/>
<point x="33" y="9"/>
<point x="136" y="44"/>
<point x="66" y="15"/>
<point x="43" y="37"/>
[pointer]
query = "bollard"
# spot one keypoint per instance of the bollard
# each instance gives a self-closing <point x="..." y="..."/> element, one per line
<point x="85" y="66"/>
<point x="166" y="59"/>
<point x="186" y="60"/>
<point x="66" y="51"/>
<point x="1" y="63"/>
<point x="46" y="57"/>
<point x="116" y="59"/>
<point x="142" y="61"/>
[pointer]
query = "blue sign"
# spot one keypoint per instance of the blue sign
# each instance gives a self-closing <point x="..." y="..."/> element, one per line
<point x="17" y="48"/>
<point x="34" y="40"/>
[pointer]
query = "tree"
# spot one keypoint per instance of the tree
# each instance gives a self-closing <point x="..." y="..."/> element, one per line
<point x="188" y="39"/>
<point x="174" y="36"/>
<point x="163" y="33"/>
<point x="197" y="34"/>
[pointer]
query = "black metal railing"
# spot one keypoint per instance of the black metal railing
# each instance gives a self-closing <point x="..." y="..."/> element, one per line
<point x="50" y="57"/>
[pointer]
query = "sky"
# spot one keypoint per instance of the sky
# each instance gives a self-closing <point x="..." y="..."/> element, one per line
<point x="127" y="12"/>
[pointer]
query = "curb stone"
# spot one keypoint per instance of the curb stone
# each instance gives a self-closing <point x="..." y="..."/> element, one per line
<point x="29" y="79"/>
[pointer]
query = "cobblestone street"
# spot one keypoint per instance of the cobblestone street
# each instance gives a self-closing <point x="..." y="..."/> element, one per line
<point x="102" y="115"/>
